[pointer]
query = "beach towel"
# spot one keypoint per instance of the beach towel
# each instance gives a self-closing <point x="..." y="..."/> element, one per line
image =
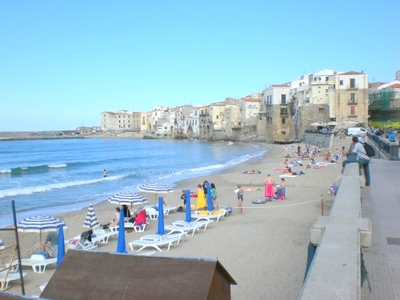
<point x="269" y="190"/>
<point x="287" y="175"/>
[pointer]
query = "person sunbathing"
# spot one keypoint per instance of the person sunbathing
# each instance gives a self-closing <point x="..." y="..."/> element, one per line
<point x="252" y="172"/>
<point x="288" y="171"/>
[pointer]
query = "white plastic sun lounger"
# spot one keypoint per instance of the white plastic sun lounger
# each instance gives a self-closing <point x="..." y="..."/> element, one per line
<point x="37" y="261"/>
<point x="153" y="244"/>
<point x="181" y="229"/>
<point x="6" y="277"/>
<point x="201" y="224"/>
<point x="157" y="237"/>
<point x="100" y="236"/>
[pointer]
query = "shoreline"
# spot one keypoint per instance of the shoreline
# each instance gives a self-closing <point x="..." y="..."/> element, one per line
<point x="263" y="249"/>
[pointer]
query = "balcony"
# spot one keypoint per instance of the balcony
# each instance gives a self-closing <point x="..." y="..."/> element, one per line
<point x="352" y="87"/>
<point x="352" y="101"/>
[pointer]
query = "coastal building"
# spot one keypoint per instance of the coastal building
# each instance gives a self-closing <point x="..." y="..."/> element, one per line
<point x="123" y="120"/>
<point x="280" y="114"/>
<point x="351" y="98"/>
<point x="274" y="110"/>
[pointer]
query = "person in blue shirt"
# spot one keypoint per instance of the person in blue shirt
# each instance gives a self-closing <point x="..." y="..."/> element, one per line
<point x="392" y="137"/>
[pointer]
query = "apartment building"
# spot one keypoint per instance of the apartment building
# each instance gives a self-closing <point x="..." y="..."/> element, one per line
<point x="123" y="120"/>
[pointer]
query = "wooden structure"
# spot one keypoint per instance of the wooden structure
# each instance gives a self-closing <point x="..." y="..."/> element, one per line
<point x="100" y="275"/>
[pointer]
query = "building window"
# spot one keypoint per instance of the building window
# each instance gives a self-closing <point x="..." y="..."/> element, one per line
<point x="321" y="111"/>
<point x="353" y="97"/>
<point x="283" y="120"/>
<point x="352" y="83"/>
<point x="283" y="132"/>
<point x="341" y="82"/>
<point x="283" y="99"/>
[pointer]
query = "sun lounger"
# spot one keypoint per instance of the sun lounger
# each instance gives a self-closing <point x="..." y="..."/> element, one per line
<point x="158" y="237"/>
<point x="100" y="236"/>
<point x="80" y="242"/>
<point x="153" y="244"/>
<point x="6" y="277"/>
<point x="181" y="229"/>
<point x="208" y="215"/>
<point x="38" y="262"/>
<point x="200" y="224"/>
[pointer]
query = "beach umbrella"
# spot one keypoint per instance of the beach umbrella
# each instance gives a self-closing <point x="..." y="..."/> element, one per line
<point x="188" y="207"/>
<point x="128" y="198"/>
<point x="160" y="219"/>
<point x="40" y="224"/>
<point x="121" y="246"/>
<point x="155" y="188"/>
<point x="210" y="205"/>
<point x="60" y="246"/>
<point x="91" y="218"/>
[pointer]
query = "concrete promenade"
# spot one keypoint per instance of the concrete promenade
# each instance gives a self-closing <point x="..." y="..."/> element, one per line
<point x="371" y="225"/>
<point x="381" y="204"/>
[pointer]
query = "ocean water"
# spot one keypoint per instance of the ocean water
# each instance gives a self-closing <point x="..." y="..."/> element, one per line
<point x="47" y="177"/>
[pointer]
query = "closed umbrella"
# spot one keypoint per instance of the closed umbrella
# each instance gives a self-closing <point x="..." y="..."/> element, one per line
<point x="121" y="246"/>
<point x="91" y="218"/>
<point x="188" y="207"/>
<point x="40" y="224"/>
<point x="155" y="188"/>
<point x="60" y="246"/>
<point x="160" y="228"/>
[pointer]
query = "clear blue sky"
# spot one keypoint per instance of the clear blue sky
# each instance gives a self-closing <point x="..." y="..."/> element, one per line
<point x="62" y="63"/>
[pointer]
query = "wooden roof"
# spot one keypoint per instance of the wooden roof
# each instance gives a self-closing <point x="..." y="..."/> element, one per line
<point x="100" y="275"/>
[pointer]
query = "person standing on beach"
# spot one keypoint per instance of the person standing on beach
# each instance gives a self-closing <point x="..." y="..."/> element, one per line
<point x="214" y="195"/>
<point x="269" y="187"/>
<point x="239" y="193"/>
<point x="283" y="189"/>
<point x="201" y="199"/>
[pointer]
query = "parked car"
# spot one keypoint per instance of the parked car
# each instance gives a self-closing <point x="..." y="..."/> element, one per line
<point x="355" y="130"/>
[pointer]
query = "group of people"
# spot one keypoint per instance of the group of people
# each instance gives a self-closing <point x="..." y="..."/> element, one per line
<point x="202" y="192"/>
<point x="269" y="190"/>
<point x="127" y="215"/>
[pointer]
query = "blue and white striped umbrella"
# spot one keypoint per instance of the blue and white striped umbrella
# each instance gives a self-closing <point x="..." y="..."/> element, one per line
<point x="40" y="224"/>
<point x="155" y="187"/>
<point x="91" y="218"/>
<point x="128" y="199"/>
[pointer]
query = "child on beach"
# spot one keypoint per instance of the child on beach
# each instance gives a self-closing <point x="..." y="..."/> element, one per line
<point x="239" y="193"/>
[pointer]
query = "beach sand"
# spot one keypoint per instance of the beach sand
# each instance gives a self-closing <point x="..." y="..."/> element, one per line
<point x="264" y="249"/>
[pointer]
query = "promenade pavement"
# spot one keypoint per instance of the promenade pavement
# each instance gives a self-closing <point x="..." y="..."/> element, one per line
<point x="381" y="204"/>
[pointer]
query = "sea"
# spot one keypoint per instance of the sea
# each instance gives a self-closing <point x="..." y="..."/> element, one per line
<point x="48" y="177"/>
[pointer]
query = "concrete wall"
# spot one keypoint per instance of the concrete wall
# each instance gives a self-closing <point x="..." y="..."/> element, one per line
<point x="335" y="272"/>
<point x="318" y="139"/>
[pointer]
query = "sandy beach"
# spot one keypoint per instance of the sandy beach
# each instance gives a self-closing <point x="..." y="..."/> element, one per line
<point x="264" y="249"/>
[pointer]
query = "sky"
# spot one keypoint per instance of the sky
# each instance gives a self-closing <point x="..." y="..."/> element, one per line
<point x="63" y="63"/>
